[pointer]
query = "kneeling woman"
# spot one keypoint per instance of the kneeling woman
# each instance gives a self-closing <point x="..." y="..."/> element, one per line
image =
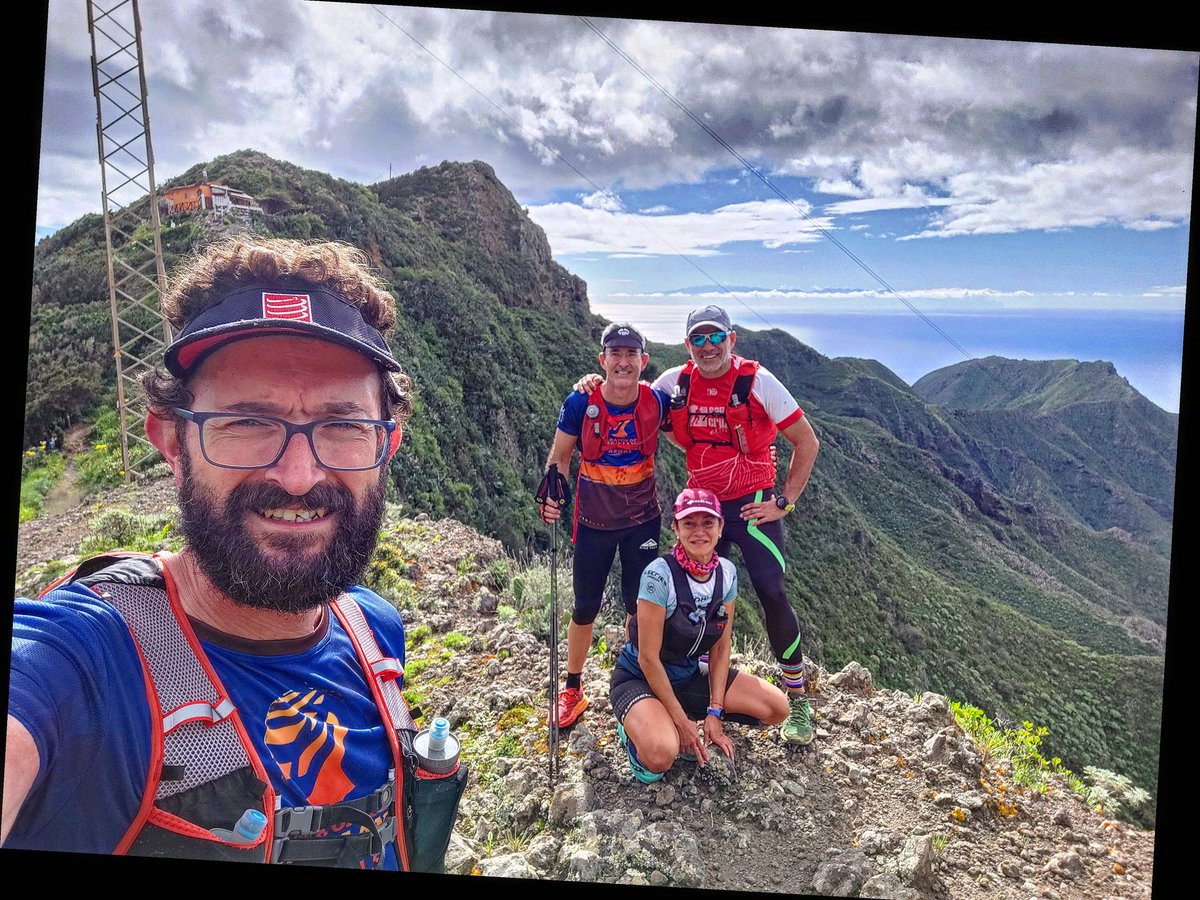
<point x="684" y="610"/>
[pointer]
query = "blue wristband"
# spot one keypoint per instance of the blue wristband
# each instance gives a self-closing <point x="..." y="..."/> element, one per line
<point x="717" y="711"/>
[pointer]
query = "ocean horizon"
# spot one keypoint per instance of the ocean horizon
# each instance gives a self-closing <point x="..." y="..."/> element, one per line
<point x="1146" y="347"/>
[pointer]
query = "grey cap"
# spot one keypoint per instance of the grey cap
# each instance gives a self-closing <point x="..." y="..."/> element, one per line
<point x="709" y="315"/>
<point x="622" y="334"/>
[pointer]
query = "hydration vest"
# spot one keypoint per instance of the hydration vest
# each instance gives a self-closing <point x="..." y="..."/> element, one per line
<point x="687" y="632"/>
<point x="594" y="435"/>
<point x="204" y="770"/>
<point x="748" y="434"/>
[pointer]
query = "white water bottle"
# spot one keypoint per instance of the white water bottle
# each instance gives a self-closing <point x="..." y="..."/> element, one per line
<point x="437" y="748"/>
<point x="246" y="831"/>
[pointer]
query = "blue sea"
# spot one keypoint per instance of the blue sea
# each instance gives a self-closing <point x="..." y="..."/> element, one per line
<point x="1145" y="347"/>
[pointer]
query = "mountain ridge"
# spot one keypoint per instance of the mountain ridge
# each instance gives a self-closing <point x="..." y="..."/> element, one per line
<point x="1017" y="560"/>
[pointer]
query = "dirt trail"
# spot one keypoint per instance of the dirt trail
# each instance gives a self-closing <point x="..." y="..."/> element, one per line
<point x="66" y="493"/>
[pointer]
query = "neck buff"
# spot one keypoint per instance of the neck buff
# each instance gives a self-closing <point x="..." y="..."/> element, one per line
<point x="698" y="570"/>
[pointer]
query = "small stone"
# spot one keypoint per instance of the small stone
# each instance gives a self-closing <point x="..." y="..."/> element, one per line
<point x="1011" y="868"/>
<point x="1068" y="864"/>
<point x="794" y="788"/>
<point x="511" y="865"/>
<point x="853" y="678"/>
<point x="570" y="801"/>
<point x="486" y="602"/>
<point x="915" y="860"/>
<point x="884" y="886"/>
<point x="584" y="865"/>
<point x="935" y="747"/>
<point x="843" y="875"/>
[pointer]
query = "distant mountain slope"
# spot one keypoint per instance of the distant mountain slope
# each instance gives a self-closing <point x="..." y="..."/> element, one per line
<point x="1071" y="434"/>
<point x="1033" y="386"/>
<point x="1012" y="551"/>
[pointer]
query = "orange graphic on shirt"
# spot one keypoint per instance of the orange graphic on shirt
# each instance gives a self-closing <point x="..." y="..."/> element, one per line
<point x="308" y="744"/>
<point x="621" y="431"/>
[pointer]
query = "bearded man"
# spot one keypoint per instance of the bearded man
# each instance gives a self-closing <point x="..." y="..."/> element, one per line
<point x="238" y="699"/>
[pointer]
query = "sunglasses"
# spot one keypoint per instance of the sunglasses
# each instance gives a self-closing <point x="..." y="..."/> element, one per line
<point x="716" y="337"/>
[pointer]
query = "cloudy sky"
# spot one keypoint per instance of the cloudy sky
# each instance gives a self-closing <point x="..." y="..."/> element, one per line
<point x="917" y="200"/>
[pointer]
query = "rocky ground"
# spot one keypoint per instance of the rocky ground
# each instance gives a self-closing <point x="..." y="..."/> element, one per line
<point x="891" y="800"/>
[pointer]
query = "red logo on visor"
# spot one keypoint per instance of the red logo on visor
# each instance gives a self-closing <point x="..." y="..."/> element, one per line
<point x="287" y="306"/>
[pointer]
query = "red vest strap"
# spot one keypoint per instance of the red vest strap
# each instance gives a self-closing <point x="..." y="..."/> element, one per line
<point x="594" y="432"/>
<point x="384" y="673"/>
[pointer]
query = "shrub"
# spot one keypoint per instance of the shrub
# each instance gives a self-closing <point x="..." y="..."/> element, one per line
<point x="124" y="530"/>
<point x="39" y="473"/>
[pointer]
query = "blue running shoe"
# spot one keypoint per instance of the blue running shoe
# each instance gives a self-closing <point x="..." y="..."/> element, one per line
<point x="640" y="772"/>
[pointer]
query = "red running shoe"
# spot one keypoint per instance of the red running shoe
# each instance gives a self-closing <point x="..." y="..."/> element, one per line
<point x="571" y="703"/>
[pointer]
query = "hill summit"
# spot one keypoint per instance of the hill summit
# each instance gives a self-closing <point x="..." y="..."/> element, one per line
<point x="1007" y="548"/>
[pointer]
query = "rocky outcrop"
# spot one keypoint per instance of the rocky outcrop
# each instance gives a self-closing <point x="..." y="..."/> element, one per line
<point x="892" y="799"/>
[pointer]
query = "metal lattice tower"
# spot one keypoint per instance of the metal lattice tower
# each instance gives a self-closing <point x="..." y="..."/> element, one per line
<point x="136" y="276"/>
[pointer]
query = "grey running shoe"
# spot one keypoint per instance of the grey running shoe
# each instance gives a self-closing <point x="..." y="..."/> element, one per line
<point x="797" y="727"/>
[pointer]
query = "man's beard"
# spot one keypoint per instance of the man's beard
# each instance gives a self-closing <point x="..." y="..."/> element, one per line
<point x="230" y="558"/>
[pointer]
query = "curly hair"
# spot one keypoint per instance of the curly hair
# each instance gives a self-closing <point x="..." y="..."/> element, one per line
<point x="209" y="275"/>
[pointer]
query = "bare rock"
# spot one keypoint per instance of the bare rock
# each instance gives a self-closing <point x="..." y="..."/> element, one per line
<point x="915" y="861"/>
<point x="853" y="679"/>
<point x="1067" y="864"/>
<point x="462" y="855"/>
<point x="583" y="865"/>
<point x="571" y="801"/>
<point x="843" y="875"/>
<point x="510" y="865"/>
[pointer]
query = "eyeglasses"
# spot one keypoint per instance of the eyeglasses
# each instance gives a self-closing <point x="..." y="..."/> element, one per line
<point x="715" y="337"/>
<point x="251" y="441"/>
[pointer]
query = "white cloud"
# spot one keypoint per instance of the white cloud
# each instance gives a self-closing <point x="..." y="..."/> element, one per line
<point x="1129" y="188"/>
<point x="601" y="227"/>
<point x="940" y="300"/>
<point x="987" y="128"/>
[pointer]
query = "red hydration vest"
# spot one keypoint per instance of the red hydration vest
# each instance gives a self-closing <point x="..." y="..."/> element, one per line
<point x="750" y="435"/>
<point x="595" y="439"/>
<point x="203" y="765"/>
<point x="594" y="435"/>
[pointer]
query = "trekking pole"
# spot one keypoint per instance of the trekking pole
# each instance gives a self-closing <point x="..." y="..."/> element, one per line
<point x="553" y="489"/>
<point x="553" y="651"/>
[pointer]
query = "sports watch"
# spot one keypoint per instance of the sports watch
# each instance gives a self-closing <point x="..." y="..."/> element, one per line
<point x="783" y="503"/>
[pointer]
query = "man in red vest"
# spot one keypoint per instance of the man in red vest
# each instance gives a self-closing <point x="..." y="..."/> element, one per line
<point x="725" y="413"/>
<point x="615" y="428"/>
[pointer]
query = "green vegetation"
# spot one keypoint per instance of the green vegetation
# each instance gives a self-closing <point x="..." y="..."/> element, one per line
<point x="1020" y="747"/>
<point x="987" y="548"/>
<point x="120" y="529"/>
<point x="455" y="640"/>
<point x="40" y="471"/>
<point x="530" y="599"/>
<point x="100" y="465"/>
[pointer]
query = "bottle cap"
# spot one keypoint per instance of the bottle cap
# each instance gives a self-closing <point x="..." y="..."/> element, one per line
<point x="437" y="755"/>
<point x="251" y="824"/>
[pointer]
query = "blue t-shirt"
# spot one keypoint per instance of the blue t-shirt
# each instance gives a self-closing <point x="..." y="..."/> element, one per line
<point x="574" y="408"/>
<point x="617" y="490"/>
<point x="76" y="684"/>
<point x="657" y="586"/>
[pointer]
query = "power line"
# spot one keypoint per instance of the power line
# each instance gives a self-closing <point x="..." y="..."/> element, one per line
<point x="711" y="132"/>
<point x="566" y="162"/>
<point x="774" y="189"/>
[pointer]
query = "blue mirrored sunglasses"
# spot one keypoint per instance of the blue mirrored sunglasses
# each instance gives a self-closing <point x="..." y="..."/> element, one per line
<point x="715" y="337"/>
